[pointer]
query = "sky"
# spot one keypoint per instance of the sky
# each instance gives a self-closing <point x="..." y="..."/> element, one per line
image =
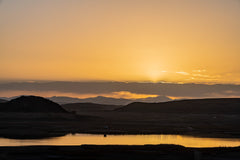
<point x="128" y="90"/>
<point x="187" y="41"/>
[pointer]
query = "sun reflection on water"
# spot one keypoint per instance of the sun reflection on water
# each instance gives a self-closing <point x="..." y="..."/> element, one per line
<point x="79" y="139"/>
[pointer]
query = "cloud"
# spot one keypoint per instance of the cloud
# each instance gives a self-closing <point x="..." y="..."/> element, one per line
<point x="201" y="75"/>
<point x="183" y="73"/>
<point x="120" y="89"/>
<point x="121" y="94"/>
<point x="129" y="95"/>
<point x="200" y="70"/>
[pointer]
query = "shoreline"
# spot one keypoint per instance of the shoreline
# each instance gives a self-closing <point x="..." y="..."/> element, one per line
<point x="118" y="152"/>
<point x="16" y="135"/>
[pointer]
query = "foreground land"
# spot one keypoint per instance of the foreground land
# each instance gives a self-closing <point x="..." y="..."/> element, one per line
<point x="206" y="118"/>
<point x="206" y="125"/>
<point x="92" y="152"/>
<point x="131" y="119"/>
<point x="36" y="125"/>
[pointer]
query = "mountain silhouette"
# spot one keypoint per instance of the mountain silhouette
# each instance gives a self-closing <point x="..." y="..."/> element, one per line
<point x="107" y="100"/>
<point x="3" y="100"/>
<point x="31" y="104"/>
<point x="98" y="100"/>
<point x="196" y="106"/>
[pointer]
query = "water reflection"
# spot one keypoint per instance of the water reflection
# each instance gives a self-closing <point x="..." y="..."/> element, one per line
<point x="79" y="139"/>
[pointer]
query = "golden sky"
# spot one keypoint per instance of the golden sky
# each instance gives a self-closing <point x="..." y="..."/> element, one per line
<point x="120" y="40"/>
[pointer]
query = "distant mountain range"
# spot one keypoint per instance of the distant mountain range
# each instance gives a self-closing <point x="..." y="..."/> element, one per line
<point x="100" y="100"/>
<point x="9" y="98"/>
<point x="3" y="100"/>
<point x="108" y="100"/>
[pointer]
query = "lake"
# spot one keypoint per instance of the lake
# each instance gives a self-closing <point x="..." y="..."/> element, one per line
<point x="97" y="139"/>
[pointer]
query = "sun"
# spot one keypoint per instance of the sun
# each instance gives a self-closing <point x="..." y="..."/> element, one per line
<point x="155" y="74"/>
<point x="153" y="71"/>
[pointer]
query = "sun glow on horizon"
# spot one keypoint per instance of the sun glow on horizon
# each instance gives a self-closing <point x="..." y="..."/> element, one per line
<point x="117" y="95"/>
<point x="194" y="41"/>
<point x="155" y="75"/>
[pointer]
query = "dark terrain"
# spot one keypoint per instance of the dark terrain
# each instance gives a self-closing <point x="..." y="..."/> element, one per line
<point x="195" y="106"/>
<point x="3" y="100"/>
<point x="32" y="117"/>
<point x="204" y="117"/>
<point x="31" y="104"/>
<point x="92" y="152"/>
<point x="36" y="116"/>
<point x="89" y="107"/>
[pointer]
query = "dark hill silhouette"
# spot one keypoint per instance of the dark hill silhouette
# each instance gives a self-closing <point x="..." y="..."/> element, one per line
<point x="198" y="106"/>
<point x="3" y="100"/>
<point x="31" y="104"/>
<point x="89" y="107"/>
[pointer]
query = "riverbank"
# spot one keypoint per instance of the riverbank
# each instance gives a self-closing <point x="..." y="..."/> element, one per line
<point x="166" y="152"/>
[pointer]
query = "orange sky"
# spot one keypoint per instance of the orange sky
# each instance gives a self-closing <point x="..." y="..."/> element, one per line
<point x="137" y="40"/>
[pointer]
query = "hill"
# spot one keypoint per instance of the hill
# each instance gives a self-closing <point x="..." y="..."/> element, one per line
<point x="198" y="106"/>
<point x="31" y="104"/>
<point x="3" y="100"/>
<point x="89" y="107"/>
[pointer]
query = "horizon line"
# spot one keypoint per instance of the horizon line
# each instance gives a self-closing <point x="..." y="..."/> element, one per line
<point x="113" y="81"/>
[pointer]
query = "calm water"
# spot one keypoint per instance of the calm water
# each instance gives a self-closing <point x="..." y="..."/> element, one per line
<point x="79" y="139"/>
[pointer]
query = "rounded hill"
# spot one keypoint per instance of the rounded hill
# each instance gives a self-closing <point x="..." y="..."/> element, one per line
<point x="31" y="104"/>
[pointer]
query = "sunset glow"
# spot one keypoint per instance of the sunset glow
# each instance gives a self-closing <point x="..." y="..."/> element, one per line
<point x="120" y="79"/>
<point x="121" y="94"/>
<point x="155" y="41"/>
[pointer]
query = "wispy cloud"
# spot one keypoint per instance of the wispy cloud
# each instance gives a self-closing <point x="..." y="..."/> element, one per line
<point x="199" y="70"/>
<point x="120" y="94"/>
<point x="118" y="89"/>
<point x="129" y="95"/>
<point x="201" y="75"/>
<point x="183" y="73"/>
